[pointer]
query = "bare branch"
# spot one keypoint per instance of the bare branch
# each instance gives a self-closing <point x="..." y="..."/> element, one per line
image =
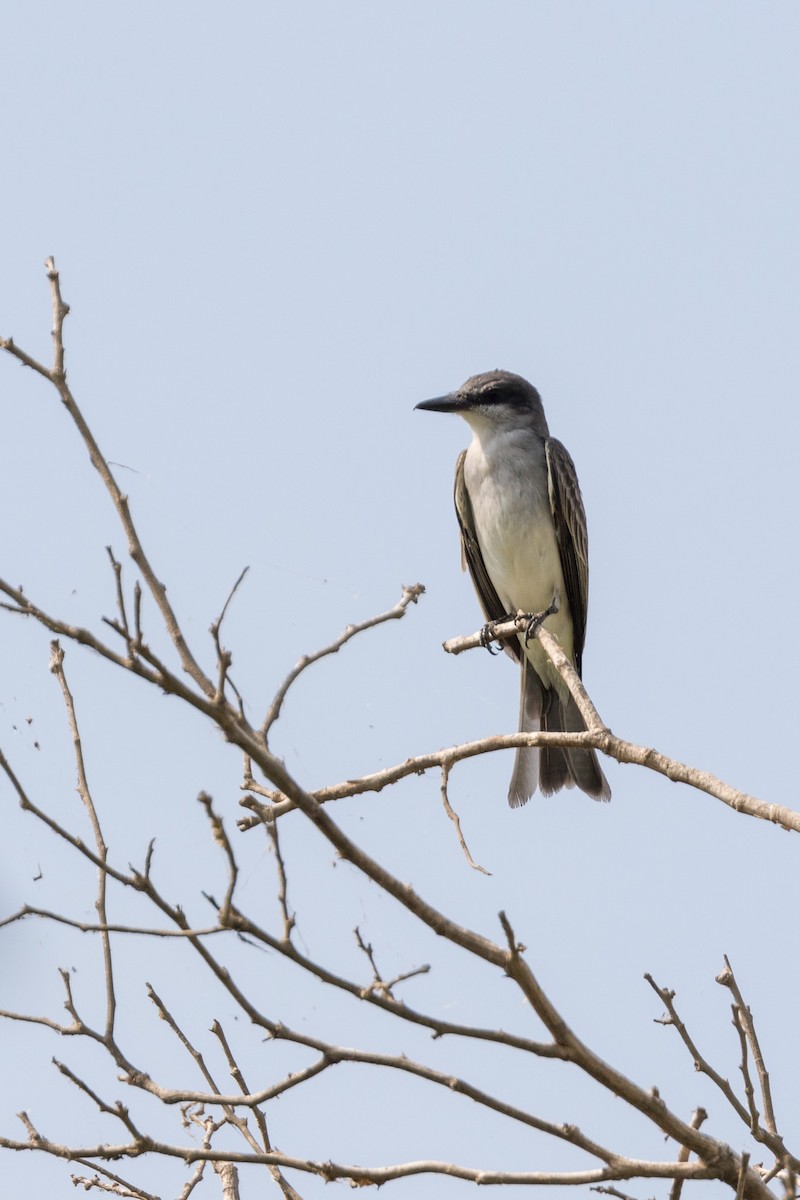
<point x="28" y="910"/>
<point x="418" y="765"/>
<point x="57" y="667"/>
<point x="379" y="984"/>
<point x="167" y="1016"/>
<point x="381" y="999"/>
<point x="230" y="1180"/>
<point x="286" y="1188"/>
<point x="217" y="625"/>
<point x="117" y="1109"/>
<point x="410" y="596"/>
<point x="453" y="815"/>
<point x="599" y="736"/>
<point x="77" y="843"/>
<point x="513" y="628"/>
<point x="745" y="1018"/>
<point x="193" y="1181"/>
<point x="698" y="1117"/>
<point x="667" y="996"/>
<point x="10" y="346"/>
<point x="224" y="657"/>
<point x="115" y="1185"/>
<point x="617" y="748"/>
<point x="221" y="838"/>
<point x="60" y="312"/>
<point x="749" y="1090"/>
<point x="748" y="1115"/>
<point x="121" y="607"/>
<point x="622" y="1168"/>
<point x="740" y="1186"/>
<point x="289" y="919"/>
<point x="57" y="376"/>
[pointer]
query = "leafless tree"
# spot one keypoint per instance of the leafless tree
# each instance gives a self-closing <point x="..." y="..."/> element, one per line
<point x="225" y="1126"/>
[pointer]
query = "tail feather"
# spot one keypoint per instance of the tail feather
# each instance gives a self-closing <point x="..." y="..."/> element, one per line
<point x="527" y="760"/>
<point x="554" y="772"/>
<point x="582" y="765"/>
<point x="549" y="767"/>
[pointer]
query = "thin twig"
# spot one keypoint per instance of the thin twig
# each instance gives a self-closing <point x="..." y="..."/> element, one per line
<point x="58" y="377"/>
<point x="437" y="1026"/>
<point x="667" y="997"/>
<point x="368" y="952"/>
<point x="57" y="668"/>
<point x="749" y="1090"/>
<point x="728" y="979"/>
<point x="698" y="1117"/>
<point x="224" y="657"/>
<point x="116" y="1109"/>
<point x="228" y="1104"/>
<point x="767" y="1137"/>
<point x="217" y="625"/>
<point x="137" y="613"/>
<point x="258" y="1113"/>
<point x="192" y="1182"/>
<point x="289" y="918"/>
<point x="209" y="1128"/>
<point x="411" y="595"/>
<point x="28" y="910"/>
<point x="379" y="985"/>
<point x="115" y="1185"/>
<point x="453" y="815"/>
<point x="121" y="607"/>
<point x="740" y="1186"/>
<point x="167" y="1016"/>
<point x="222" y="840"/>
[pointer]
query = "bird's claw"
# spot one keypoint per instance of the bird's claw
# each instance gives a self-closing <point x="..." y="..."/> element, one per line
<point x="534" y="620"/>
<point x="489" y="631"/>
<point x="487" y="637"/>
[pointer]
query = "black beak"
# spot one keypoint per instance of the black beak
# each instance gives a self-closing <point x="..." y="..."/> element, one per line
<point x="447" y="404"/>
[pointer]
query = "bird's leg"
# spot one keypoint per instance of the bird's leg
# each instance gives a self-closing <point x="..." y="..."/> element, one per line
<point x="534" y="620"/>
<point x="489" y="631"/>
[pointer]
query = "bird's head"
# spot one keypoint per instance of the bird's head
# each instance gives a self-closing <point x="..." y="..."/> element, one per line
<point x="496" y="398"/>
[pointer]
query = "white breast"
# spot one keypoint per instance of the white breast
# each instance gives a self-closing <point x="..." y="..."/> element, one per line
<point x="505" y="473"/>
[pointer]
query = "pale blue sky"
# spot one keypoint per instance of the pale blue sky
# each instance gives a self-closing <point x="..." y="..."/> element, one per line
<point x="279" y="227"/>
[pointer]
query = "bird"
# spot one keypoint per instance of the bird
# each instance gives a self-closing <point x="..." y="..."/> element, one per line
<point x="524" y="541"/>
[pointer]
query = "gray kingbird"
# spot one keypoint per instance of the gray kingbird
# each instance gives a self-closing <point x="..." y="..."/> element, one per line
<point x="523" y="537"/>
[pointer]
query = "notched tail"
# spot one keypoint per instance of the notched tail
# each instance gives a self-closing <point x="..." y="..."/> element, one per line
<point x="550" y="768"/>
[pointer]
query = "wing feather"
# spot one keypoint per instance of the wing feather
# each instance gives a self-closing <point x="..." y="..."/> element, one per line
<point x="569" y="519"/>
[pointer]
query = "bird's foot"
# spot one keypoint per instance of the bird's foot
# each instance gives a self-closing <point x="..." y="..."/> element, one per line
<point x="532" y="621"/>
<point x="489" y="631"/>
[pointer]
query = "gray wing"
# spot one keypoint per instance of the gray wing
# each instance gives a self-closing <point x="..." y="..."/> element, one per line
<point x="471" y="557"/>
<point x="569" y="519"/>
